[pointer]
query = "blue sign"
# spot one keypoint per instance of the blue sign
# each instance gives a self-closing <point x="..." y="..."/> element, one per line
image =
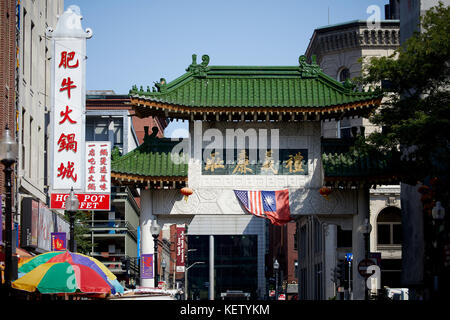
<point x="349" y="256"/>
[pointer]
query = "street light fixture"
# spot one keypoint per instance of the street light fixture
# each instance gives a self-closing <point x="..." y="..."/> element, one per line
<point x="438" y="212"/>
<point x="72" y="205"/>
<point x="276" y="266"/>
<point x="8" y="155"/>
<point x="155" y="229"/>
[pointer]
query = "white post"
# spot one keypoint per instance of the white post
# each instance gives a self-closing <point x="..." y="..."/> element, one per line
<point x="211" y="267"/>
<point x="358" y="244"/>
<point x="147" y="243"/>
<point x="330" y="259"/>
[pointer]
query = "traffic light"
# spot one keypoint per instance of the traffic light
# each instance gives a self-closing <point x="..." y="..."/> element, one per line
<point x="341" y="274"/>
<point x="334" y="277"/>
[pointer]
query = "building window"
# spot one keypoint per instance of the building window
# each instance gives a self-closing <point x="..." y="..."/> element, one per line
<point x="23" y="141"/>
<point x="344" y="74"/>
<point x="30" y="149"/>
<point x="295" y="240"/>
<point x="24" y="19"/>
<point x="344" y="238"/>
<point x="98" y="129"/>
<point x="318" y="236"/>
<point x="31" y="52"/>
<point x="344" y="129"/>
<point x="389" y="228"/>
<point x="303" y="242"/>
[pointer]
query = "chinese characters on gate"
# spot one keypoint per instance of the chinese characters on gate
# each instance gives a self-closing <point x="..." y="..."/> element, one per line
<point x="291" y="162"/>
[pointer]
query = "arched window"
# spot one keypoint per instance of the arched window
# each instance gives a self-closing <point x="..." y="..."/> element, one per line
<point x="389" y="227"/>
<point x="344" y="74"/>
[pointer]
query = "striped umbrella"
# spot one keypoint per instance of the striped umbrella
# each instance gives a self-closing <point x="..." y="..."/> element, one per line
<point x="66" y="272"/>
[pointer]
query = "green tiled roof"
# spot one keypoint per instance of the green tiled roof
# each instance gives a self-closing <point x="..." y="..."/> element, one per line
<point x="151" y="159"/>
<point x="341" y="164"/>
<point x="304" y="85"/>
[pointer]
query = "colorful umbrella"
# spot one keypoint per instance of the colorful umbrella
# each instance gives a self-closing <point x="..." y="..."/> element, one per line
<point x="65" y="272"/>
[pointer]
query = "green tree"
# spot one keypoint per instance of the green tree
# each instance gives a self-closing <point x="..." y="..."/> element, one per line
<point x="81" y="229"/>
<point x="414" y="116"/>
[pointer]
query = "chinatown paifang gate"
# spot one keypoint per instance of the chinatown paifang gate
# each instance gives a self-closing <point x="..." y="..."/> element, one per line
<point x="233" y="111"/>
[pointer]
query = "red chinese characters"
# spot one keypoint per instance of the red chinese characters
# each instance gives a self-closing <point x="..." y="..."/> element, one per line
<point x="67" y="119"/>
<point x="98" y="167"/>
<point x="67" y="84"/>
<point x="67" y="142"/>
<point x="66" y="59"/>
<point x="65" y="116"/>
<point x="67" y="172"/>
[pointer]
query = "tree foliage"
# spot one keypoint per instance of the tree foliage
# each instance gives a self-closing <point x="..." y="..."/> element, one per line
<point x="414" y="115"/>
<point x="81" y="230"/>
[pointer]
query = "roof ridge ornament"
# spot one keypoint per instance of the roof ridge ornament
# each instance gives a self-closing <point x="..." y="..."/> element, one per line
<point x="161" y="86"/>
<point x="199" y="70"/>
<point x="308" y="70"/>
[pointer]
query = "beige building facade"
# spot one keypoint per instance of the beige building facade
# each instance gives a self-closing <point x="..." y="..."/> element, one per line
<point x="339" y="50"/>
<point x="34" y="59"/>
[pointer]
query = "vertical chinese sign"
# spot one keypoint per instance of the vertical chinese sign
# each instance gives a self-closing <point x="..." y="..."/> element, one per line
<point x="68" y="101"/>
<point x="147" y="266"/>
<point x="181" y="249"/>
<point x="98" y="166"/>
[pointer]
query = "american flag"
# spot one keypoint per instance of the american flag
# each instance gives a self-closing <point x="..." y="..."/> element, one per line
<point x="272" y="205"/>
<point x="252" y="201"/>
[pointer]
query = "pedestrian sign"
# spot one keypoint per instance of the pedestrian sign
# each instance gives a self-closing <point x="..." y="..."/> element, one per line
<point x="349" y="256"/>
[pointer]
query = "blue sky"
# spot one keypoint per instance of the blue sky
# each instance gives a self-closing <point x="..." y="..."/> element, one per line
<point x="140" y="41"/>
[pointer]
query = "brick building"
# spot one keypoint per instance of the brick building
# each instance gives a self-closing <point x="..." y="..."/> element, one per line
<point x="8" y="66"/>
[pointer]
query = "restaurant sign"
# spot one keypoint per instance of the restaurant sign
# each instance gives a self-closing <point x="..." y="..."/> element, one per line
<point x="87" y="201"/>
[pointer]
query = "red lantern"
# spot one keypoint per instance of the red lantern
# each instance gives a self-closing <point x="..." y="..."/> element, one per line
<point x="423" y="189"/>
<point x="325" y="191"/>
<point x="186" y="192"/>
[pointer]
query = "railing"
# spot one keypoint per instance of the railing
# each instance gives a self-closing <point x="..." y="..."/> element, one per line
<point x="113" y="227"/>
<point x="115" y="261"/>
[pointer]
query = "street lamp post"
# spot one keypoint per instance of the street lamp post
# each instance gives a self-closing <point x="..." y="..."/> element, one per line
<point x="8" y="154"/>
<point x="438" y="215"/>
<point x="72" y="204"/>
<point x="155" y="229"/>
<point x="276" y="266"/>
<point x="163" y="266"/>
<point x="365" y="229"/>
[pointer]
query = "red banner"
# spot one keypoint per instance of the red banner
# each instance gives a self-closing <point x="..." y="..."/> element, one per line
<point x="88" y="201"/>
<point x="181" y="248"/>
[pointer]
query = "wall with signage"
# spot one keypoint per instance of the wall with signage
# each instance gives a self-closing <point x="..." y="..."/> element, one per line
<point x="37" y="225"/>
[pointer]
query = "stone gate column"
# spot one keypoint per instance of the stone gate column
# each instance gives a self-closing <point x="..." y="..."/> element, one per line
<point x="358" y="244"/>
<point x="330" y="259"/>
<point x="147" y="243"/>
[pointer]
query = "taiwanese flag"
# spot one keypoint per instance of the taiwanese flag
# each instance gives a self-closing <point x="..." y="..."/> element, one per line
<point x="273" y="205"/>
